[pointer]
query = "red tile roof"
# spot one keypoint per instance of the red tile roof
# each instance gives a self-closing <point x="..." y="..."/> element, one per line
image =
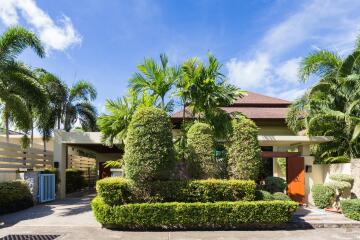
<point x="252" y="105"/>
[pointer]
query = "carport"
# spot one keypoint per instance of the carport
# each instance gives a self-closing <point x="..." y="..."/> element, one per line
<point x="90" y="141"/>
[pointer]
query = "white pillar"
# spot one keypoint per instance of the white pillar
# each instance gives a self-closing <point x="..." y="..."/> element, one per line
<point x="60" y="157"/>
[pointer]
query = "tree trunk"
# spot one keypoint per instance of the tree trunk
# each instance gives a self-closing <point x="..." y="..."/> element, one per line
<point x="44" y="145"/>
<point x="32" y="133"/>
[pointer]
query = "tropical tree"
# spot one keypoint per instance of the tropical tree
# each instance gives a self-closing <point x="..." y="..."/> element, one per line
<point x="156" y="80"/>
<point x="78" y="107"/>
<point x="18" y="85"/>
<point x="332" y="106"/>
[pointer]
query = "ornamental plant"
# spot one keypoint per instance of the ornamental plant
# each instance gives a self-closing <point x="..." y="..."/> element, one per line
<point x="275" y="184"/>
<point x="244" y="150"/>
<point x="201" y="147"/>
<point x="323" y="195"/>
<point x="149" y="150"/>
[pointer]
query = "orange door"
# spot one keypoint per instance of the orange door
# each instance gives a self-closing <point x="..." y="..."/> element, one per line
<point x="295" y="178"/>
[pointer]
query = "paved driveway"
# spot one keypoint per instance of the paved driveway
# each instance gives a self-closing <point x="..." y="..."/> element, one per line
<point x="72" y="219"/>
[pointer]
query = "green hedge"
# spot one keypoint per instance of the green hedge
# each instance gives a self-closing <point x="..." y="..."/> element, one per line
<point x="351" y="208"/>
<point x="75" y="180"/>
<point x="14" y="196"/>
<point x="275" y="184"/>
<point x="117" y="190"/>
<point x="176" y="215"/>
<point x="261" y="195"/>
<point x="323" y="195"/>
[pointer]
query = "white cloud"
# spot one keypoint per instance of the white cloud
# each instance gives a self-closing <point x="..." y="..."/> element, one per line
<point x="291" y="94"/>
<point x="330" y="24"/>
<point x="251" y="73"/>
<point x="288" y="70"/>
<point x="57" y="36"/>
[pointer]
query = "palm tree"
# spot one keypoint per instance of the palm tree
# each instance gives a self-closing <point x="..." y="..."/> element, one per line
<point x="78" y="106"/>
<point x="17" y="82"/>
<point x="114" y="124"/>
<point x="155" y="79"/>
<point x="332" y="106"/>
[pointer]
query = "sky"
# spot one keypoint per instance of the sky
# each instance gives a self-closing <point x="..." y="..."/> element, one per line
<point x="260" y="42"/>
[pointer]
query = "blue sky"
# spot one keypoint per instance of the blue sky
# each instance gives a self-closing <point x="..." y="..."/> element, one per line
<point x="260" y="43"/>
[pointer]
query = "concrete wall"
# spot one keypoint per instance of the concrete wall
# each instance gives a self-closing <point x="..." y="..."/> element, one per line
<point x="8" y="176"/>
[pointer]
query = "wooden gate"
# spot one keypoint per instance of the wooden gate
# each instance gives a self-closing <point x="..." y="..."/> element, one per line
<point x="295" y="178"/>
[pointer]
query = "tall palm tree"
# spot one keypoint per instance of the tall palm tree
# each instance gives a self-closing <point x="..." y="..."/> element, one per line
<point x="155" y="79"/>
<point x="17" y="82"/>
<point x="78" y="106"/>
<point x="332" y="106"/>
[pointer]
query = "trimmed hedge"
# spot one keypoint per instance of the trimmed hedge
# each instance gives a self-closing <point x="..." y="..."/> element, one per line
<point x="75" y="180"/>
<point x="14" y="196"/>
<point x="244" y="153"/>
<point x="149" y="151"/>
<point x="176" y="215"/>
<point x="117" y="190"/>
<point x="351" y="208"/>
<point x="201" y="147"/>
<point x="275" y="184"/>
<point x="342" y="178"/>
<point x="323" y="195"/>
<point x="261" y="195"/>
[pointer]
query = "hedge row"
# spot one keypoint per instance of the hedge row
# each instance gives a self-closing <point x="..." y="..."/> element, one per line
<point x="117" y="191"/>
<point x="351" y="208"/>
<point x="14" y="196"/>
<point x="176" y="215"/>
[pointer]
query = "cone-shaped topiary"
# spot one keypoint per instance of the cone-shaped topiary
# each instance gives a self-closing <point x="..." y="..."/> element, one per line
<point x="244" y="152"/>
<point x="201" y="145"/>
<point x="149" y="150"/>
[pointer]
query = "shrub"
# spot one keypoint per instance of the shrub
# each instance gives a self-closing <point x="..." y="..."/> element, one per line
<point x="75" y="180"/>
<point x="351" y="208"/>
<point x="149" y="150"/>
<point x="342" y="178"/>
<point x="275" y="184"/>
<point x="323" y="195"/>
<point x="244" y="150"/>
<point x="261" y="195"/>
<point x="340" y="186"/>
<point x="201" y="145"/>
<point x="176" y="215"/>
<point x="281" y="196"/>
<point x="14" y="196"/>
<point x="117" y="190"/>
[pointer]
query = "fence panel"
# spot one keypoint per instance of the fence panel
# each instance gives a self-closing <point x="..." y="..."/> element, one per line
<point x="85" y="164"/>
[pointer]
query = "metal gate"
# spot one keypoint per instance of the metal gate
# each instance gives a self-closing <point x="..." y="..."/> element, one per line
<point x="46" y="187"/>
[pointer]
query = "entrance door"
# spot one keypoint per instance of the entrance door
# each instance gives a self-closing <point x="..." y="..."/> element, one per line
<point x="295" y="178"/>
<point x="103" y="171"/>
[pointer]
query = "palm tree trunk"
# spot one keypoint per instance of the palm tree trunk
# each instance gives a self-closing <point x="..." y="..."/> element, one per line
<point x="32" y="133"/>
<point x="7" y="116"/>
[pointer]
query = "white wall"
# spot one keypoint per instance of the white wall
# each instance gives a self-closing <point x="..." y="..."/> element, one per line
<point x="8" y="176"/>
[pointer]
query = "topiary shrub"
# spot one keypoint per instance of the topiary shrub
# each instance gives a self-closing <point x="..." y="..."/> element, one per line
<point x="339" y="186"/>
<point x="197" y="215"/>
<point x="323" y="195"/>
<point x="201" y="147"/>
<point x="261" y="195"/>
<point x="244" y="150"/>
<point x="342" y="178"/>
<point x="75" y="180"/>
<point x="117" y="190"/>
<point x="275" y="184"/>
<point x="14" y="196"/>
<point x="149" y="150"/>
<point x="351" y="208"/>
<point x="281" y="196"/>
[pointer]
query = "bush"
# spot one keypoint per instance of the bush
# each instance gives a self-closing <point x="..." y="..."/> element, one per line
<point x="323" y="195"/>
<point x="201" y="147"/>
<point x="351" y="208"/>
<point x="192" y="215"/>
<point x="14" y="196"/>
<point x="275" y="184"/>
<point x="244" y="150"/>
<point x="342" y="178"/>
<point x="75" y="180"/>
<point x="261" y="195"/>
<point x="340" y="186"/>
<point x="118" y="190"/>
<point x="281" y="196"/>
<point x="149" y="150"/>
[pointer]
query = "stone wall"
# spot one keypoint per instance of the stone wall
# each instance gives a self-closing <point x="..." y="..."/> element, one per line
<point x="355" y="172"/>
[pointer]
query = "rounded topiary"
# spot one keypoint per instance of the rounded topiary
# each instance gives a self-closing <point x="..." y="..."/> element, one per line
<point x="14" y="196"/>
<point x="351" y="208"/>
<point x="261" y="195"/>
<point x="323" y="195"/>
<point x="275" y="184"/>
<point x="244" y="152"/>
<point x="149" y="150"/>
<point x="201" y="147"/>
<point x="281" y="196"/>
<point x="342" y="178"/>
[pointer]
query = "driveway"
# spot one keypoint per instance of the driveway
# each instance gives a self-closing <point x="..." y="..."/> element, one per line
<point x="72" y="218"/>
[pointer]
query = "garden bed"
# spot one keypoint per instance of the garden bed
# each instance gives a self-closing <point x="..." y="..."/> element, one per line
<point x="175" y="215"/>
